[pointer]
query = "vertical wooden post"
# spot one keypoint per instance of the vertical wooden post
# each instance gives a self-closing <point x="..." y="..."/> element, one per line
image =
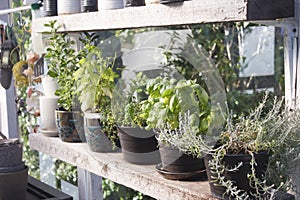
<point x="89" y="185"/>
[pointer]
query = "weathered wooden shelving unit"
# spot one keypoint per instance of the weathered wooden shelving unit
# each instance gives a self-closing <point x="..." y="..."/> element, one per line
<point x="189" y="12"/>
<point x="111" y="165"/>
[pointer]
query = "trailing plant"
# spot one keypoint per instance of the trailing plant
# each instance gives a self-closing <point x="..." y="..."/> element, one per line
<point x="274" y="131"/>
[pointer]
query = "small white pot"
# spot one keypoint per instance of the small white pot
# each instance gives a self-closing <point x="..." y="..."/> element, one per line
<point x="50" y="85"/>
<point x="48" y="105"/>
<point x="68" y="6"/>
<point x="110" y="4"/>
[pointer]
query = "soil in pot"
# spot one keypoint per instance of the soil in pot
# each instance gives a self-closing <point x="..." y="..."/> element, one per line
<point x="96" y="138"/>
<point x="70" y="126"/>
<point x="139" y="146"/>
<point x="13" y="185"/>
<point x="239" y="177"/>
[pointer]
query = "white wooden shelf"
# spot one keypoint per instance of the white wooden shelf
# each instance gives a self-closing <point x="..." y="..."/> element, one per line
<point x="189" y="12"/>
<point x="111" y="165"/>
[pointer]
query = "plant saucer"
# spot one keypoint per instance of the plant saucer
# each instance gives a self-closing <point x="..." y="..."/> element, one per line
<point x="49" y="132"/>
<point x="183" y="176"/>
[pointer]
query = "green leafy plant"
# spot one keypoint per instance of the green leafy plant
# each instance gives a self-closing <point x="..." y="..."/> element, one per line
<point x="95" y="84"/>
<point x="62" y="63"/>
<point x="168" y="98"/>
<point x="275" y="131"/>
<point x="127" y="101"/>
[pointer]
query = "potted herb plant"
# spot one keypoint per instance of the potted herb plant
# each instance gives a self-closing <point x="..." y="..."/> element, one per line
<point x="95" y="81"/>
<point x="168" y="100"/>
<point x="139" y="146"/>
<point x="255" y="156"/>
<point x="62" y="62"/>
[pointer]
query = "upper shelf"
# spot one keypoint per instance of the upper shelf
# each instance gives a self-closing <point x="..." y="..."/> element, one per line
<point x="189" y="12"/>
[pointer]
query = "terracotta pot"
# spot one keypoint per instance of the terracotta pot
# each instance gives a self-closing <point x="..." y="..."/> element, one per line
<point x="96" y="138"/>
<point x="239" y="177"/>
<point x="70" y="126"/>
<point x="13" y="185"/>
<point x="139" y="146"/>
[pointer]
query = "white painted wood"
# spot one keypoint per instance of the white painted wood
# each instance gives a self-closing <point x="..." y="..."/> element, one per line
<point x="111" y="165"/>
<point x="89" y="185"/>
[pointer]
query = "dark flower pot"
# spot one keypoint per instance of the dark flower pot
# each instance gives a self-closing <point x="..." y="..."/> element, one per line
<point x="13" y="185"/>
<point x="96" y="138"/>
<point x="139" y="146"/>
<point x="70" y="126"/>
<point x="170" y="1"/>
<point x="50" y="8"/>
<point x="239" y="177"/>
<point x="175" y="161"/>
<point x="130" y="3"/>
<point x="89" y="5"/>
<point x="10" y="153"/>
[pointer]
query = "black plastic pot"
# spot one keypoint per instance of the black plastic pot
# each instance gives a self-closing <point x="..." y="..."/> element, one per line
<point x="70" y="126"/>
<point x="130" y="3"/>
<point x="89" y="5"/>
<point x="50" y="8"/>
<point x="13" y="185"/>
<point x="10" y="153"/>
<point x="139" y="146"/>
<point x="239" y="177"/>
<point x="175" y="161"/>
<point x="170" y="1"/>
<point x="96" y="138"/>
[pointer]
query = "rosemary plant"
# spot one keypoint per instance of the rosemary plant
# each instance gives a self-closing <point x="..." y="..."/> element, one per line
<point x="274" y="131"/>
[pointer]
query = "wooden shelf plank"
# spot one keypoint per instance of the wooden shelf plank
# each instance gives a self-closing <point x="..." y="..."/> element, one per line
<point x="189" y="12"/>
<point x="111" y="165"/>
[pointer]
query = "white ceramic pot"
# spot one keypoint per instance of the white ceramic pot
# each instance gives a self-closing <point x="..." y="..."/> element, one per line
<point x="110" y="4"/>
<point x="50" y="85"/>
<point x="68" y="6"/>
<point x="48" y="105"/>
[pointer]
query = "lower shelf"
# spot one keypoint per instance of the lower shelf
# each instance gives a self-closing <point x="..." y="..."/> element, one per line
<point x="112" y="166"/>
